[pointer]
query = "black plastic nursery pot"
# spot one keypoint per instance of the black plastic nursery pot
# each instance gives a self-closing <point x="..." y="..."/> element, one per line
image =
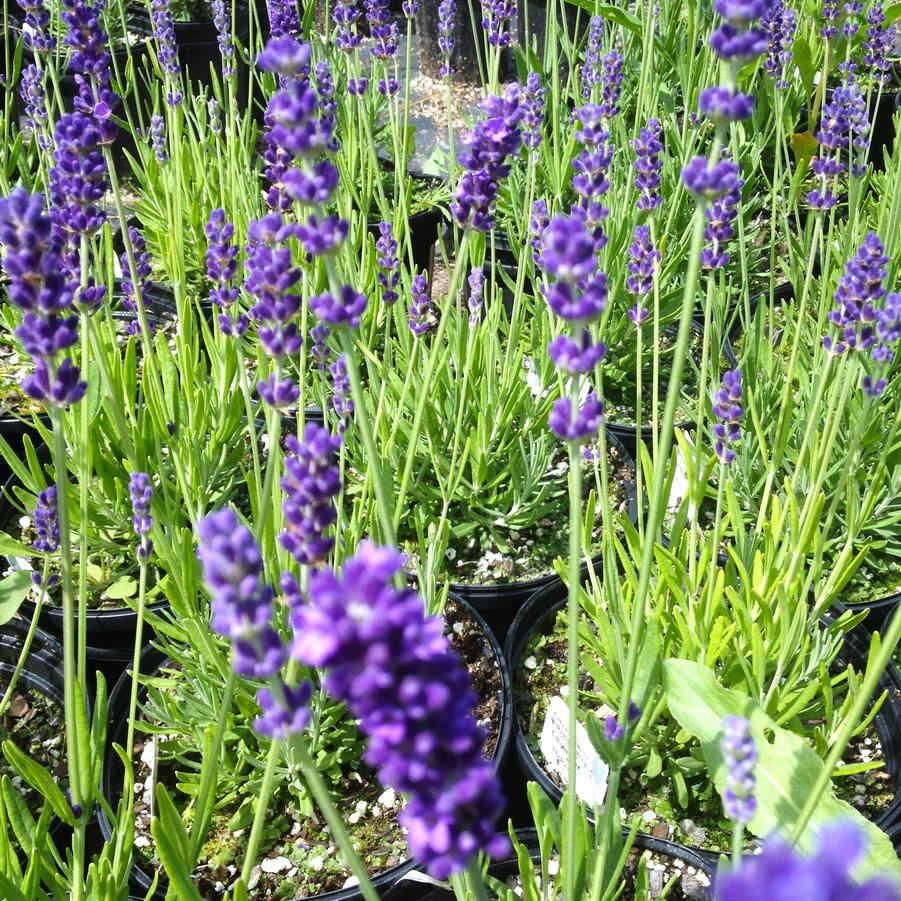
<point x="408" y="888"/>
<point x="878" y="612"/>
<point x="152" y="661"/>
<point x="627" y="433"/>
<point x="41" y="674"/>
<point x="197" y="43"/>
<point x="546" y="604"/>
<point x="498" y="604"/>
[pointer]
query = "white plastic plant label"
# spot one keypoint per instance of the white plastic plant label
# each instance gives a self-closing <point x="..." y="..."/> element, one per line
<point x="591" y="770"/>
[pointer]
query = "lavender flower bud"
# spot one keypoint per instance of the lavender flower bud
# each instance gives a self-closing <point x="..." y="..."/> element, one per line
<point x="279" y="393"/>
<point x="740" y="754"/>
<point x="533" y="111"/>
<point x="221" y="259"/>
<point x="164" y="34"/>
<point x="576" y="356"/>
<point x="142" y="270"/>
<point x="280" y="719"/>
<point x="538" y="223"/>
<point x="447" y="14"/>
<point x="709" y="181"/>
<point x="612" y="80"/>
<point x="648" y="166"/>
<point x="496" y="16"/>
<point x="319" y="349"/>
<point x="283" y="18"/>
<point x="36" y="34"/>
<point x="241" y="604"/>
<point x="859" y="289"/>
<point x="389" y="266"/>
<point x="158" y="139"/>
<point x="643" y="260"/>
<point x="311" y="484"/>
<point x="568" y="251"/>
<point x="779" y="22"/>
<point x="141" y="494"/>
<point x="591" y="67"/>
<point x="721" y="213"/>
<point x="342" y="396"/>
<point x="394" y="669"/>
<point x="33" y="98"/>
<point x="728" y="410"/>
<point x="46" y="522"/>
<point x="345" y="15"/>
<point x="476" y="293"/>
<point x="224" y="36"/>
<point x="421" y="307"/>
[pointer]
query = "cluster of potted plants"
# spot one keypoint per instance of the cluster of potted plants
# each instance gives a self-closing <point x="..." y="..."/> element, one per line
<point x="529" y="528"/>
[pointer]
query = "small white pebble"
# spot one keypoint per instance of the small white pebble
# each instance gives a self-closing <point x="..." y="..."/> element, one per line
<point x="649" y="816"/>
<point x="387" y="798"/>
<point x="458" y="628"/>
<point x="317" y="863"/>
<point x="530" y="662"/>
<point x="553" y="867"/>
<point x="275" y="864"/>
<point x="351" y="881"/>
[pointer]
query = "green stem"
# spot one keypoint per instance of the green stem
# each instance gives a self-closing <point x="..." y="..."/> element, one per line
<point x="136" y="665"/>
<point x="572" y="653"/>
<point x="261" y="812"/>
<point x="326" y="805"/>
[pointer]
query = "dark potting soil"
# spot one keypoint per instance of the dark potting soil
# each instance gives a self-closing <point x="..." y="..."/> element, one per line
<point x="501" y="556"/>
<point x="301" y="858"/>
<point x="540" y="673"/>
<point x="37" y="727"/>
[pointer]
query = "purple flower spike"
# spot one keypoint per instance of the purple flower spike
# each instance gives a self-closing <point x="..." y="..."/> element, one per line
<point x="389" y="266"/>
<point x="46" y="522"/>
<point x="728" y="410"/>
<point x="283" y="18"/>
<point x="421" y="318"/>
<point x="496" y="16"/>
<point x="393" y="667"/>
<point x="221" y="259"/>
<point x="878" y="46"/>
<point x="533" y="111"/>
<point x="166" y="51"/>
<point x="476" y="293"/>
<point x="612" y="80"/>
<point x="345" y="14"/>
<point x="345" y="309"/>
<point x="141" y="493"/>
<point x="708" y="181"/>
<point x="36" y="35"/>
<point x="39" y="284"/>
<point x="158" y="139"/>
<point x="860" y="288"/>
<point x="287" y="716"/>
<point x="447" y="15"/>
<point x="33" y="99"/>
<point x="224" y="36"/>
<point x="311" y="484"/>
<point x="613" y="732"/>
<point x="737" y="46"/>
<point x="740" y="754"/>
<point x="721" y="213"/>
<point x="342" y="395"/>
<point x="494" y="137"/>
<point x="648" y="166"/>
<point x="538" y="223"/>
<point x="780" y="872"/>
<point x="241" y="604"/>
<point x="582" y="426"/>
<point x="319" y="349"/>
<point x="643" y="261"/>
<point x="779" y="22"/>
<point x="578" y="304"/>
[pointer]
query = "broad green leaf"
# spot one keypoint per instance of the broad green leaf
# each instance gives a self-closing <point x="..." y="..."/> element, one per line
<point x="787" y="767"/>
<point x="14" y="589"/>
<point x="123" y="587"/>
